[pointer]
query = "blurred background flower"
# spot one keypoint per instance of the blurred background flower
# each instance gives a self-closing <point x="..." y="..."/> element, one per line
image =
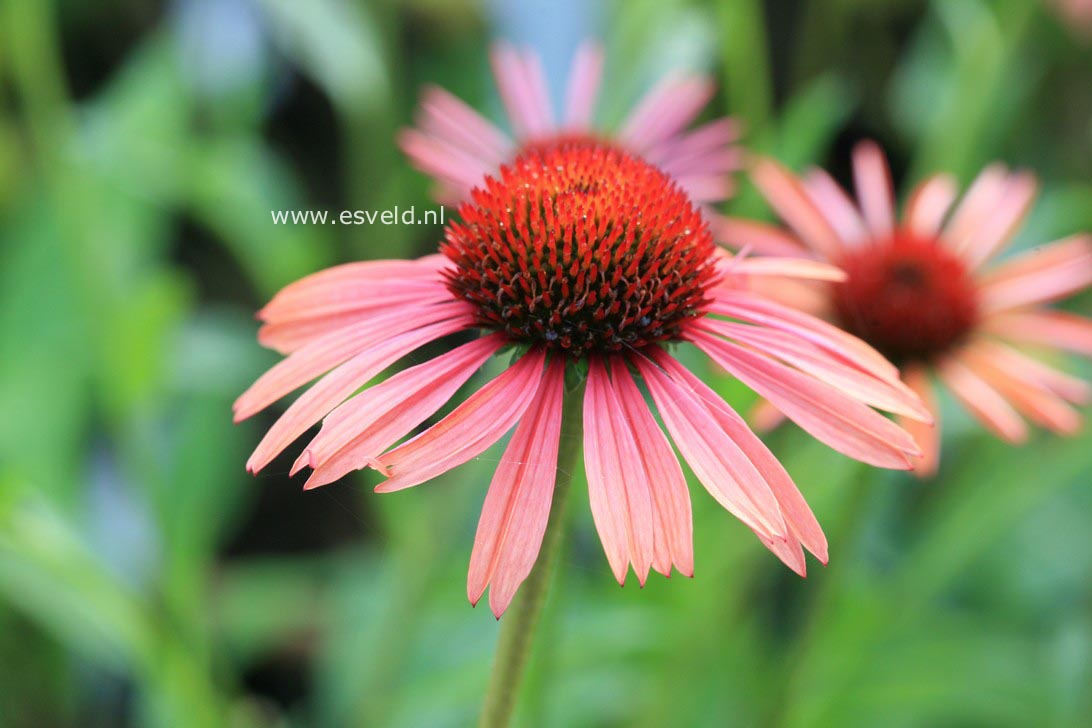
<point x="146" y="579"/>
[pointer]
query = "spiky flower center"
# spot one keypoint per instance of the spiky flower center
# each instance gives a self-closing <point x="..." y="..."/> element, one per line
<point x="909" y="297"/>
<point x="581" y="247"/>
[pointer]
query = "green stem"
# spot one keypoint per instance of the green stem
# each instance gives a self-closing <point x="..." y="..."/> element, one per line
<point x="522" y="618"/>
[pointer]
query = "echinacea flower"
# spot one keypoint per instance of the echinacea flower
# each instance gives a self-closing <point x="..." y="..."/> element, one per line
<point x="578" y="253"/>
<point x="458" y="147"/>
<point x="924" y="292"/>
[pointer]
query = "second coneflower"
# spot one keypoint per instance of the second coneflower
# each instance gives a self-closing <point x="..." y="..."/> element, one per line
<point x="458" y="147"/>
<point x="578" y="257"/>
<point x="922" y="290"/>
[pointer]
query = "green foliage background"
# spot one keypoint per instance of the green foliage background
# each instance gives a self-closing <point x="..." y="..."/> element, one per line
<point x="145" y="579"/>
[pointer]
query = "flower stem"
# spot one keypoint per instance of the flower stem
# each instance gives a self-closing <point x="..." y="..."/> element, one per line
<point x="522" y="618"/>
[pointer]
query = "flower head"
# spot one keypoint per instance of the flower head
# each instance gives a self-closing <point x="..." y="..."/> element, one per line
<point x="582" y="248"/>
<point x="577" y="252"/>
<point x="458" y="147"/>
<point x="924" y="292"/>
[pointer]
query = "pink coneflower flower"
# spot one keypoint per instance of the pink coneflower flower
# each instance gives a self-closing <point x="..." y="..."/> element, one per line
<point x="579" y="254"/>
<point x="923" y="292"/>
<point x="458" y="147"/>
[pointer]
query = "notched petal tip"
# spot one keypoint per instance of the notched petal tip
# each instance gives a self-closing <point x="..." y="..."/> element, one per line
<point x="305" y="460"/>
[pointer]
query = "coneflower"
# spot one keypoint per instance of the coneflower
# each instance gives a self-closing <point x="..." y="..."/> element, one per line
<point x="578" y="257"/>
<point x="924" y="292"/>
<point x="458" y="147"/>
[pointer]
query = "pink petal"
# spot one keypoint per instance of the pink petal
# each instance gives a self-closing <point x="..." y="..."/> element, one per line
<point x="517" y="506"/>
<point x="583" y="86"/>
<point x="761" y="238"/>
<point x="354" y="283"/>
<point x="665" y="110"/>
<point x="1067" y="387"/>
<point x="523" y="91"/>
<point x="842" y="423"/>
<point x="716" y="459"/>
<point x="929" y="203"/>
<point x="355" y="433"/>
<point x="983" y="401"/>
<point x="468" y="431"/>
<point x="618" y="484"/>
<point x="670" y="496"/>
<point x="290" y="336"/>
<point x="704" y="188"/>
<point x="794" y="509"/>
<point x="1042" y="275"/>
<point x="764" y="417"/>
<point x="997" y="229"/>
<point x="1057" y="329"/>
<point x="702" y="149"/>
<point x="977" y="205"/>
<point x="356" y="297"/>
<point x="748" y="307"/>
<point x="326" y="352"/>
<point x="893" y="396"/>
<point x="791" y="201"/>
<point x="834" y="203"/>
<point x="872" y="178"/>
<point x="1027" y="394"/>
<point x="789" y="268"/>
<point x="440" y="158"/>
<point x="926" y="436"/>
<point x="448" y="117"/>
<point x="333" y="388"/>
<point x="788" y="550"/>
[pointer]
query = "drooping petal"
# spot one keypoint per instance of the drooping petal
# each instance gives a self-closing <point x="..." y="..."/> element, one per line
<point x="789" y="550"/>
<point x="1042" y="275"/>
<point x="332" y="389"/>
<point x="328" y="351"/>
<point x="929" y="203"/>
<point x="1066" y="386"/>
<point x="355" y="433"/>
<point x="795" y="206"/>
<point x="721" y="466"/>
<point x="828" y="415"/>
<point x="1057" y="329"/>
<point x="926" y="436"/>
<point x="345" y="287"/>
<point x="670" y="496"/>
<point x="468" y="431"/>
<point x="740" y="305"/>
<point x="789" y="268"/>
<point x="583" y="87"/>
<point x="983" y="401"/>
<point x="794" y="509"/>
<point x="618" y="484"/>
<point x="290" y="336"/>
<point x="890" y="395"/>
<point x="872" y="178"/>
<point x="517" y="505"/>
<point x="1026" y="393"/>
